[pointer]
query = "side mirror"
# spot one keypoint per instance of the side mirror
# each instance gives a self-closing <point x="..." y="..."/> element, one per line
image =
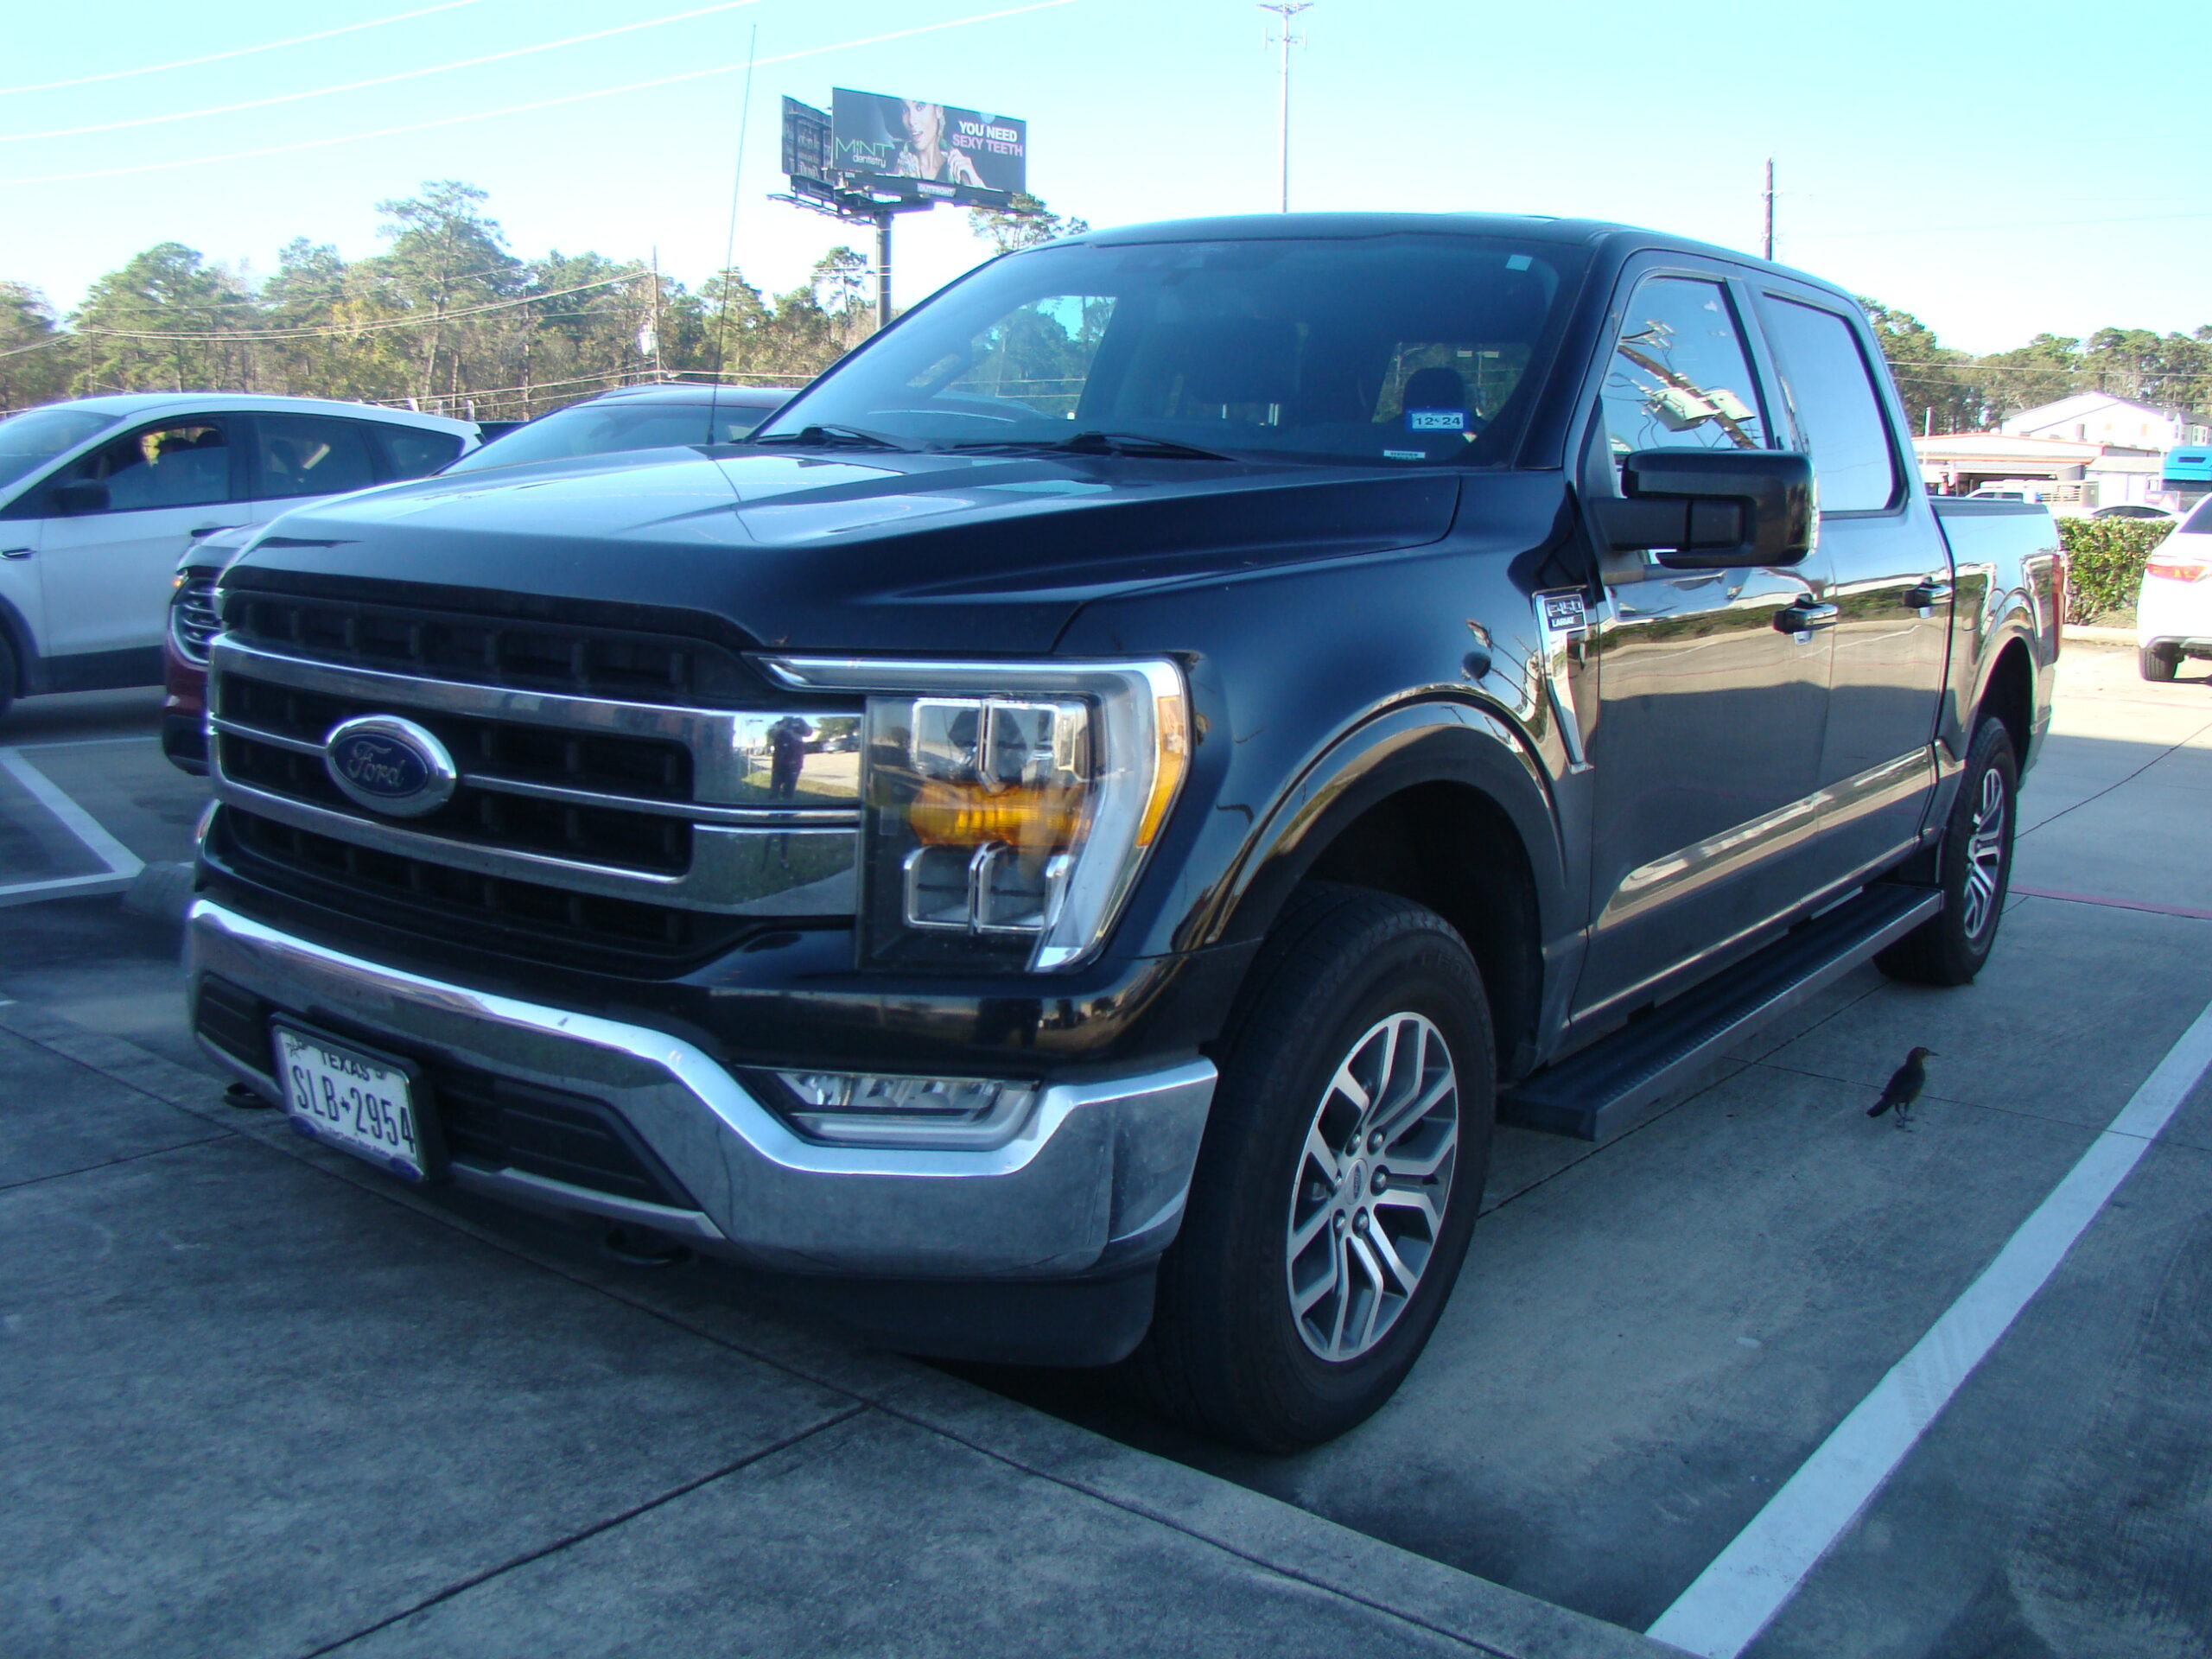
<point x="69" y="500"/>
<point x="1713" y="509"/>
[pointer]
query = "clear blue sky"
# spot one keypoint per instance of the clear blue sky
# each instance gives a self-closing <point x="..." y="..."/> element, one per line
<point x="1902" y="131"/>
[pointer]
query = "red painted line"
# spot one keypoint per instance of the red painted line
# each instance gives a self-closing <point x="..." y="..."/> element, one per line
<point x="2115" y="904"/>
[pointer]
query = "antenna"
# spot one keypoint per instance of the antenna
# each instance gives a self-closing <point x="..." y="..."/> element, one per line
<point x="1287" y="10"/>
<point x="729" y="242"/>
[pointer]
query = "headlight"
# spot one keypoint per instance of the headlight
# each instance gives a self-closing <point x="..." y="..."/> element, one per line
<point x="1009" y="808"/>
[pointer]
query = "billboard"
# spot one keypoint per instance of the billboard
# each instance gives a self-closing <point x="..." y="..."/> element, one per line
<point x="806" y="141"/>
<point x="898" y="138"/>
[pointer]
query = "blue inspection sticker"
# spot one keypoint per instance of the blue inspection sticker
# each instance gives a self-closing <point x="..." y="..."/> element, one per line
<point x="1518" y="262"/>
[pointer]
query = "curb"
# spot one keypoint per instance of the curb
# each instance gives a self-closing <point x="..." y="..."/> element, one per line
<point x="160" y="891"/>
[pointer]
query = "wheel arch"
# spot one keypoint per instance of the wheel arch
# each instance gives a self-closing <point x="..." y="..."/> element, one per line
<point x="1440" y="803"/>
<point x="2008" y="691"/>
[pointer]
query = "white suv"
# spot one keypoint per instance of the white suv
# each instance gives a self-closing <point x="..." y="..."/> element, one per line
<point x="2173" y="608"/>
<point x="99" y="498"/>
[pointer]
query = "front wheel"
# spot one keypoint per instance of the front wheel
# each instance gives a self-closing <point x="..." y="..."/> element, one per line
<point x="1342" y="1168"/>
<point x="1975" y="861"/>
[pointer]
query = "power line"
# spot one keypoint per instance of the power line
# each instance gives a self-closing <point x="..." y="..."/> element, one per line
<point x="378" y="80"/>
<point x="535" y="104"/>
<point x="235" y="52"/>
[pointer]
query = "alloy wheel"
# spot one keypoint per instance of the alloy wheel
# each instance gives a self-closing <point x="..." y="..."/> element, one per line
<point x="1373" y="1181"/>
<point x="1985" y="854"/>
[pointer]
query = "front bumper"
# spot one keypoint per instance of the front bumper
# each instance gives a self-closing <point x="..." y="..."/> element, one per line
<point x="1094" y="1183"/>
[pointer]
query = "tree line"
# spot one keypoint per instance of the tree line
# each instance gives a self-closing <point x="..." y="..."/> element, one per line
<point x="447" y="318"/>
<point x="1946" y="389"/>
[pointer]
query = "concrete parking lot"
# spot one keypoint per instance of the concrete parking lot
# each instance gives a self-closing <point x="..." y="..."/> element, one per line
<point x="261" y="1401"/>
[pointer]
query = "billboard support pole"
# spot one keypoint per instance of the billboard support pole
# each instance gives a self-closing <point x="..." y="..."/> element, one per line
<point x="883" y="218"/>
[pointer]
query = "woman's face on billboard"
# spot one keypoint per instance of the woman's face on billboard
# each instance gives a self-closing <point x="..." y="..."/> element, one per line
<point x="924" y="123"/>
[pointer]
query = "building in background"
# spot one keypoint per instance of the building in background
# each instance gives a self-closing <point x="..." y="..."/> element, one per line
<point x="2099" y="417"/>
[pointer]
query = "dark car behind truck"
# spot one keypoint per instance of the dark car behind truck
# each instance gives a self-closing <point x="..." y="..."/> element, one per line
<point x="1065" y="844"/>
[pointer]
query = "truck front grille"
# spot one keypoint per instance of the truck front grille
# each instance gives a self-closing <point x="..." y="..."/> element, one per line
<point x="602" y="827"/>
<point x="486" y="913"/>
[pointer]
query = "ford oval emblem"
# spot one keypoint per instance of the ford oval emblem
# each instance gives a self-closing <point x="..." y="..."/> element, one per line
<point x="390" y="765"/>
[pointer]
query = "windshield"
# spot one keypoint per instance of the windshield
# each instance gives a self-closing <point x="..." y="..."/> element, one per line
<point x="1402" y="350"/>
<point x="2200" y="522"/>
<point x="28" y="440"/>
<point x="601" y="430"/>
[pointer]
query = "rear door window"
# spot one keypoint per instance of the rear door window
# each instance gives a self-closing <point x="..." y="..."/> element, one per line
<point x="308" y="454"/>
<point x="1830" y="387"/>
<point x="183" y="464"/>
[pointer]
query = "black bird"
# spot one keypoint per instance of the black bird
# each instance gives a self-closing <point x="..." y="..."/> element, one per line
<point x="1903" y="1087"/>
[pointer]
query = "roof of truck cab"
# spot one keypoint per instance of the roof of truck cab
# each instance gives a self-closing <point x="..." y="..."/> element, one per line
<point x="1533" y="228"/>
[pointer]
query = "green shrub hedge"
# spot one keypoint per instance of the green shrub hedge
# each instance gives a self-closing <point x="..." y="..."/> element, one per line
<point x="2104" y="562"/>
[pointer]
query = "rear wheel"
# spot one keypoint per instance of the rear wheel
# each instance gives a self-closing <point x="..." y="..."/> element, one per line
<point x="1342" y="1168"/>
<point x="1976" y="870"/>
<point x="2157" y="662"/>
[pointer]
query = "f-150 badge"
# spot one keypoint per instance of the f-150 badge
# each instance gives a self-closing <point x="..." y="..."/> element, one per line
<point x="1564" y="611"/>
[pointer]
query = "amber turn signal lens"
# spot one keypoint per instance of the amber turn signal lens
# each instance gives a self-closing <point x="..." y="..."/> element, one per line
<point x="1033" y="820"/>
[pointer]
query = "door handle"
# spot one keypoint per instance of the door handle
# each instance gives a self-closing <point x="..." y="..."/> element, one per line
<point x="1928" y="596"/>
<point x="16" y="552"/>
<point x="1806" y="615"/>
<point x="211" y="530"/>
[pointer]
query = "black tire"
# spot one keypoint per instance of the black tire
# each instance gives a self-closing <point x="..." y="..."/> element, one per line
<point x="1950" y="949"/>
<point x="2157" y="665"/>
<point x="1225" y="1355"/>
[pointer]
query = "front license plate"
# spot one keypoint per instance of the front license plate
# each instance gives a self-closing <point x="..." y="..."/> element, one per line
<point x="352" y="1101"/>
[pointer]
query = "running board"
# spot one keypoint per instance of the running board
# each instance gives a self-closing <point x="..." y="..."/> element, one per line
<point x="1609" y="1088"/>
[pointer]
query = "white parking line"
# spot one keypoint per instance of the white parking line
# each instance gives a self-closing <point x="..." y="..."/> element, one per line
<point x="122" y="863"/>
<point x="1734" y="1598"/>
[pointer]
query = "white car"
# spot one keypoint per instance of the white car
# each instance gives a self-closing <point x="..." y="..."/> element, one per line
<point x="2173" y="611"/>
<point x="99" y="498"/>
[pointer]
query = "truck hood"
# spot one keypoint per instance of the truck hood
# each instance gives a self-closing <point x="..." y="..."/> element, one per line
<point x="873" y="552"/>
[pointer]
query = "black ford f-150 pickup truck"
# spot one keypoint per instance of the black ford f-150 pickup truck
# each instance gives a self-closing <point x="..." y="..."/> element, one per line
<point x="1062" y="845"/>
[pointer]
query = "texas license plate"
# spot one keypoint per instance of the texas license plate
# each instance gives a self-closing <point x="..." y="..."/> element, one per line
<point x="352" y="1101"/>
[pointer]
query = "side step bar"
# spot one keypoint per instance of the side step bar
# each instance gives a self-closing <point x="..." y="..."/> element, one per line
<point x="1612" y="1086"/>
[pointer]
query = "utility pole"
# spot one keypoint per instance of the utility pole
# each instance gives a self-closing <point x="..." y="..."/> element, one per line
<point x="1287" y="10"/>
<point x="1768" y="197"/>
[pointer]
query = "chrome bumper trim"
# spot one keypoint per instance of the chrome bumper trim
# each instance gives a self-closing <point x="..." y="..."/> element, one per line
<point x="1097" y="1176"/>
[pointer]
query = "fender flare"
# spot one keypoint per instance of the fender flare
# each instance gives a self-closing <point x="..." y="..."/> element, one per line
<point x="1431" y="742"/>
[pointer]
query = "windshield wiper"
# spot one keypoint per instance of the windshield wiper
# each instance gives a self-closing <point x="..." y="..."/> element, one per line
<point x="1105" y="443"/>
<point x="834" y="434"/>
